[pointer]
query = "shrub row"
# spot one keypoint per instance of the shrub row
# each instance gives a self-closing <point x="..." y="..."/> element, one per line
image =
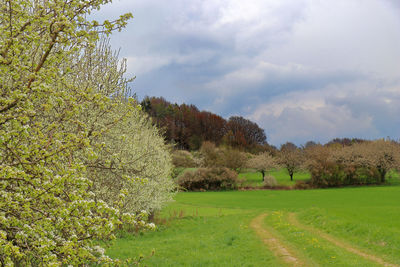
<point x="334" y="174"/>
<point x="209" y="179"/>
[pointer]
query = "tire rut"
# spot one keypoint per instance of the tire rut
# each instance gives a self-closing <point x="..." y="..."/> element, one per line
<point x="293" y="220"/>
<point x="274" y="243"/>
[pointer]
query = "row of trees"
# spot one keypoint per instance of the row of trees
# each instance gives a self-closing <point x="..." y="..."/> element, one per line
<point x="334" y="164"/>
<point x="188" y="128"/>
<point x="78" y="159"/>
<point x="212" y="156"/>
<point x="366" y="162"/>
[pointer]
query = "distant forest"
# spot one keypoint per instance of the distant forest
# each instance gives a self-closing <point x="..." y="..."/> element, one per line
<point x="188" y="127"/>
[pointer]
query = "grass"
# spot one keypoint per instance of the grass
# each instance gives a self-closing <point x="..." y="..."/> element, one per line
<point x="211" y="228"/>
<point x="203" y="236"/>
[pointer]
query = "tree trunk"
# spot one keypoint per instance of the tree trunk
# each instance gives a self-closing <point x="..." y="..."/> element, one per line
<point x="263" y="174"/>
<point x="383" y="175"/>
<point x="291" y="176"/>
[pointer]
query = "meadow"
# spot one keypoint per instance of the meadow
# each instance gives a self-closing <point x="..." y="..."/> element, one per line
<point x="357" y="226"/>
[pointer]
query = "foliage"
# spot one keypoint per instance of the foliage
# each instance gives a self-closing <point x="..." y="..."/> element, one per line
<point x="185" y="125"/>
<point x="205" y="179"/>
<point x="53" y="125"/>
<point x="188" y="128"/>
<point x="243" y="133"/>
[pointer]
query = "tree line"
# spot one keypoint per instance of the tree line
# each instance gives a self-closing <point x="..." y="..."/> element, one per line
<point x="340" y="162"/>
<point x="187" y="127"/>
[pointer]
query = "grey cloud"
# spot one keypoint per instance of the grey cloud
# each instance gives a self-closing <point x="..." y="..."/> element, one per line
<point x="394" y="3"/>
<point x="303" y="69"/>
<point x="258" y="85"/>
<point x="356" y="110"/>
<point x="383" y="108"/>
<point x="300" y="125"/>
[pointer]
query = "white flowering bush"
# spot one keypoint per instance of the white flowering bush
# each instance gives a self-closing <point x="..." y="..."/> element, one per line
<point x="52" y="127"/>
<point x="134" y="161"/>
<point x="128" y="154"/>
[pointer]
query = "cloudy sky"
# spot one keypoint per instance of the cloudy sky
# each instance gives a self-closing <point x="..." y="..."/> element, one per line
<point x="302" y="69"/>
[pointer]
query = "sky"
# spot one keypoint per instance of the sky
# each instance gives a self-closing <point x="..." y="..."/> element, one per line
<point x="301" y="69"/>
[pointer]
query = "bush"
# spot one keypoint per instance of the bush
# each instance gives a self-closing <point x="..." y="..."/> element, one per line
<point x="232" y="159"/>
<point x="331" y="167"/>
<point x="209" y="153"/>
<point x="134" y="160"/>
<point x="183" y="158"/>
<point x="302" y="185"/>
<point x="222" y="157"/>
<point x="270" y="181"/>
<point x="205" y="179"/>
<point x="336" y="174"/>
<point x="51" y="104"/>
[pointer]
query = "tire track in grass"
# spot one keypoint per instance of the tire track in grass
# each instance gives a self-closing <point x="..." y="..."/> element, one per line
<point x="293" y="220"/>
<point x="274" y="243"/>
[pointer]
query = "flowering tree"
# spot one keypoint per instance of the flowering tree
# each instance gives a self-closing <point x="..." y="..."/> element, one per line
<point x="262" y="162"/>
<point x="128" y="154"/>
<point x="291" y="158"/>
<point x="360" y="163"/>
<point x="382" y="155"/>
<point x="49" y="210"/>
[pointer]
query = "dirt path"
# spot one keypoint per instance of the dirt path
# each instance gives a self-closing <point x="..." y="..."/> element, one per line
<point x="293" y="220"/>
<point x="273" y="242"/>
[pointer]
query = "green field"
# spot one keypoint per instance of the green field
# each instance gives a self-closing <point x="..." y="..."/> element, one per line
<point x="213" y="228"/>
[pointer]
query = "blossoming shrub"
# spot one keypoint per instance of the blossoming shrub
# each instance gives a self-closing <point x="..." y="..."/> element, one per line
<point x="128" y="155"/>
<point x="183" y="158"/>
<point x="134" y="159"/>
